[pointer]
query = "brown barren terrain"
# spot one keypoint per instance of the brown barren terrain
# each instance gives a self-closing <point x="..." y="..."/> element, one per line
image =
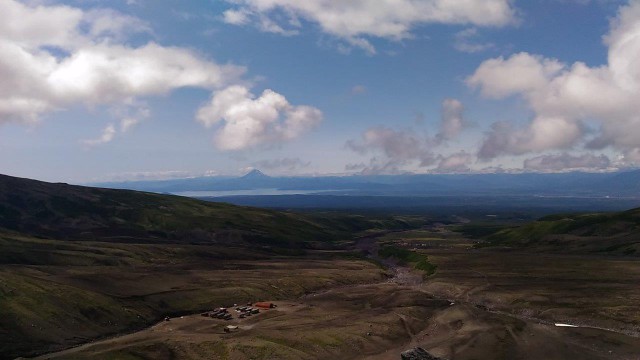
<point x="478" y="305"/>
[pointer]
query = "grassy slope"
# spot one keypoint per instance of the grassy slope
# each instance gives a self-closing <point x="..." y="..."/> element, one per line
<point x="63" y="211"/>
<point x="606" y="233"/>
<point x="78" y="263"/>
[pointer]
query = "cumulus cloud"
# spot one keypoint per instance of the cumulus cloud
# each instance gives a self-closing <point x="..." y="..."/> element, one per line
<point x="108" y="133"/>
<point x="468" y="41"/>
<point x="236" y="17"/>
<point x="130" y="113"/>
<point x="56" y="56"/>
<point x="455" y="163"/>
<point x="378" y="166"/>
<point x="244" y="121"/>
<point x="281" y="164"/>
<point x="543" y="133"/>
<point x="393" y="149"/>
<point x="563" y="98"/>
<point x="452" y="120"/>
<point x="356" y="21"/>
<point x="522" y="73"/>
<point x="398" y="146"/>
<point x="567" y="162"/>
<point x="630" y="157"/>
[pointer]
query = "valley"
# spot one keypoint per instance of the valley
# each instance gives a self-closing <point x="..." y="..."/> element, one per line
<point x="319" y="179"/>
<point x="493" y="306"/>
<point x="97" y="283"/>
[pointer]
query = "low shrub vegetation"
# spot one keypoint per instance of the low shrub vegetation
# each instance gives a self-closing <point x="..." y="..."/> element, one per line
<point x="416" y="260"/>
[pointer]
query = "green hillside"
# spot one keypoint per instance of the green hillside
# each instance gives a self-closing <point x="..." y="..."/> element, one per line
<point x="62" y="211"/>
<point x="601" y="233"/>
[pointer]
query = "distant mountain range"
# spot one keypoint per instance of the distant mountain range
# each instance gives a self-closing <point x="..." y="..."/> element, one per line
<point x="575" y="184"/>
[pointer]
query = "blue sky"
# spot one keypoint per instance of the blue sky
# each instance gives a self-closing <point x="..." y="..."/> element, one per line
<point x="115" y="90"/>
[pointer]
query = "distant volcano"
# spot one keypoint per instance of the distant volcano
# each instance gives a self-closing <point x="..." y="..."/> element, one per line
<point x="255" y="174"/>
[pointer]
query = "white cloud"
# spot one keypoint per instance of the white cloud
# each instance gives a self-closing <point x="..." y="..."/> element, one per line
<point x="395" y="149"/>
<point x="53" y="57"/>
<point x="130" y="113"/>
<point x="62" y="26"/>
<point x="354" y="21"/>
<point x="520" y="74"/>
<point x="396" y="145"/>
<point x="107" y="24"/>
<point x="244" y="121"/>
<point x="564" y="98"/>
<point x="108" y="133"/>
<point x="453" y="121"/>
<point x="379" y="166"/>
<point x="56" y="56"/>
<point x="567" y="162"/>
<point x="358" y="90"/>
<point x="455" y="163"/>
<point x="392" y="149"/>
<point x="467" y="41"/>
<point x="630" y="157"/>
<point x="236" y="17"/>
<point x="543" y="133"/>
<point x="109" y="73"/>
<point x="128" y="122"/>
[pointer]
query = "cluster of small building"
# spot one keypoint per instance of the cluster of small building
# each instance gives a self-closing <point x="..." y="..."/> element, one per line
<point x="247" y="311"/>
<point x="219" y="313"/>
<point x="243" y="311"/>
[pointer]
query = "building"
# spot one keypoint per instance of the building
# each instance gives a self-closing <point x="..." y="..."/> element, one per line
<point x="265" y="305"/>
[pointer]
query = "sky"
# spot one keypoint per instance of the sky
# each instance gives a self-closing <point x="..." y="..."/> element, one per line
<point x="118" y="90"/>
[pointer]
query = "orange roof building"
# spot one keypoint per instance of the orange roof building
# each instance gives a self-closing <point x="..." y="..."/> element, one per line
<point x="265" y="305"/>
